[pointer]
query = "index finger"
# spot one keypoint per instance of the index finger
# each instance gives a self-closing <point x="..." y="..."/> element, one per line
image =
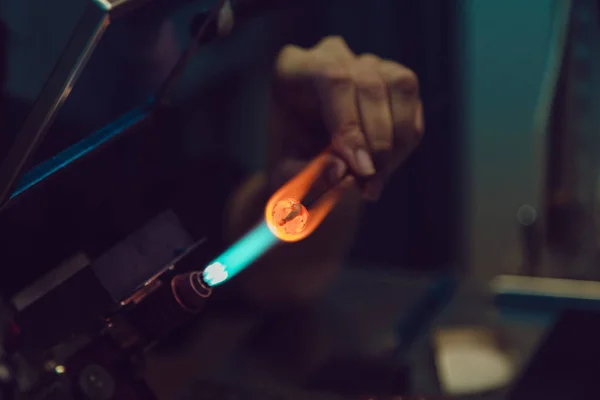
<point x="338" y="97"/>
<point x="340" y="105"/>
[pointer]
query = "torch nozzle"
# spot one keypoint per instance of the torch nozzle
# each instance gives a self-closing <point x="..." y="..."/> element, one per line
<point x="190" y="290"/>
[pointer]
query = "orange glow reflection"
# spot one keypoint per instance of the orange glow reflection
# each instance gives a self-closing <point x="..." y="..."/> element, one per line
<point x="287" y="217"/>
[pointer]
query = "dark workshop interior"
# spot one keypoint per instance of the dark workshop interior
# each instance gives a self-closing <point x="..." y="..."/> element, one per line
<point x="140" y="252"/>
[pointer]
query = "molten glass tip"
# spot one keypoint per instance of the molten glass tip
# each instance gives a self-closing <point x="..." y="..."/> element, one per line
<point x="290" y="216"/>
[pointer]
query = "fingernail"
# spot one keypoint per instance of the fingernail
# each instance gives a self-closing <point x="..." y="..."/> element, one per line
<point x="363" y="162"/>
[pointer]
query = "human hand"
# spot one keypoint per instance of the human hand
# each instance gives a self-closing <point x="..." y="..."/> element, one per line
<point x="368" y="109"/>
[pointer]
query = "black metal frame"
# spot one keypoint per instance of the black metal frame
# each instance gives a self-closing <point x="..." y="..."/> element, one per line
<point x="88" y="32"/>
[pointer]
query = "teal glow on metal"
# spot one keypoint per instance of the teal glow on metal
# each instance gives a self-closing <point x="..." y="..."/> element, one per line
<point x="240" y="255"/>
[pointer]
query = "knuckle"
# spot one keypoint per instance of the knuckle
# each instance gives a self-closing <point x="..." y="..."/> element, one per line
<point x="370" y="59"/>
<point x="286" y="52"/>
<point x="337" y="75"/>
<point x="352" y="136"/>
<point x="334" y="40"/>
<point x="290" y="48"/>
<point x="367" y="78"/>
<point x="335" y="47"/>
<point x="405" y="80"/>
<point x="371" y="85"/>
<point x="348" y="137"/>
<point x="290" y="59"/>
<point x="382" y="145"/>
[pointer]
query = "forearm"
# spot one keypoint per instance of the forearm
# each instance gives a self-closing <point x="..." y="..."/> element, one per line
<point x="296" y="271"/>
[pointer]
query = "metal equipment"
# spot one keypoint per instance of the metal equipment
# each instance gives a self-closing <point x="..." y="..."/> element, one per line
<point x="89" y="31"/>
<point x="90" y="28"/>
<point x="105" y="314"/>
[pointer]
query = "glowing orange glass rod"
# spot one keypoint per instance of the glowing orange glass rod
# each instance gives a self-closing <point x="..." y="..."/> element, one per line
<point x="299" y="206"/>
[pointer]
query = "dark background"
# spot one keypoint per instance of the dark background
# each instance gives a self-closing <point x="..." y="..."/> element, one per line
<point x="215" y="133"/>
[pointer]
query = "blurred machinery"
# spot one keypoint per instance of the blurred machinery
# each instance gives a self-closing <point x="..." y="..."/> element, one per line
<point x="104" y="315"/>
<point x="559" y="273"/>
<point x="547" y="153"/>
<point x="574" y="156"/>
<point x="558" y="238"/>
